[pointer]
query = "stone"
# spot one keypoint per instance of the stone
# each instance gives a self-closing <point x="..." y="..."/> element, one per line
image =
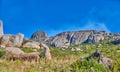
<point x="117" y="41"/>
<point x="76" y="37"/>
<point x="14" y="50"/>
<point x="32" y="44"/>
<point x="9" y="40"/>
<point x="1" y="28"/>
<point x="101" y="59"/>
<point x="39" y="36"/>
<point x="46" y="51"/>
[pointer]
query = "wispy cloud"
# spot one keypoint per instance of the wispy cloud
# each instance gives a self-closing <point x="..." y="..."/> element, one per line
<point x="95" y="26"/>
<point x="87" y="26"/>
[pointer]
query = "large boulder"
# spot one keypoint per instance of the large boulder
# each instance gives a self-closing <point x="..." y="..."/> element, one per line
<point x="14" y="50"/>
<point x="9" y="40"/>
<point x="39" y="36"/>
<point x="32" y="44"/>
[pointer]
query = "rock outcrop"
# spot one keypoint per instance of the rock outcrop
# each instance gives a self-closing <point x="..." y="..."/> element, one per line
<point x="101" y="59"/>
<point x="76" y="37"/>
<point x="46" y="51"/>
<point x="39" y="36"/>
<point x="9" y="40"/>
<point x="32" y="44"/>
<point x="1" y="28"/>
<point x="12" y="51"/>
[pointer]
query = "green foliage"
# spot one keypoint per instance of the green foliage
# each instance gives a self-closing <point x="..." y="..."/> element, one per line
<point x="27" y="50"/>
<point x="116" y="66"/>
<point x="2" y="52"/>
<point x="67" y="60"/>
<point x="88" y="66"/>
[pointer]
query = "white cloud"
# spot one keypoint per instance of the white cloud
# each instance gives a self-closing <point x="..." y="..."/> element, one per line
<point x="95" y="26"/>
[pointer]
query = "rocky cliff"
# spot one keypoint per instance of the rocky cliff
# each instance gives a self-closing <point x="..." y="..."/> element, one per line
<point x="39" y="36"/>
<point x="71" y="37"/>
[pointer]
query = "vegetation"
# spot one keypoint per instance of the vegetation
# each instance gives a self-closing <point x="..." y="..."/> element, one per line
<point x="66" y="60"/>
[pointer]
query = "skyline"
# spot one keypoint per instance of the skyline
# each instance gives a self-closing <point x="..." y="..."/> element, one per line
<point x="27" y="16"/>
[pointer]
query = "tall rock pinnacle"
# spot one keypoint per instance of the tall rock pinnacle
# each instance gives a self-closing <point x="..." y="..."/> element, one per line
<point x="1" y="28"/>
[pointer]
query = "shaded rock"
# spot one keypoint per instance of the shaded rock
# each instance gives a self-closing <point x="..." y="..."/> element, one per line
<point x="32" y="44"/>
<point x="94" y="38"/>
<point x="116" y="41"/>
<point x="39" y="36"/>
<point x="9" y="40"/>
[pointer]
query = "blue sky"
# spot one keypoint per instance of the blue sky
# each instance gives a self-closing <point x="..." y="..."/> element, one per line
<point x="54" y="16"/>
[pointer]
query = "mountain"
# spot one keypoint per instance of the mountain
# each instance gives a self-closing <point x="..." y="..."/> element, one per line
<point x="65" y="39"/>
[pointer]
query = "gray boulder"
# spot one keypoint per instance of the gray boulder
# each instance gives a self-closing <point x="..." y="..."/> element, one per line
<point x="39" y="36"/>
<point x="32" y="44"/>
<point x="9" y="40"/>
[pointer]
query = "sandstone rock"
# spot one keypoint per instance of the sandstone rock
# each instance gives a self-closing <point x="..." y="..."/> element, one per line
<point x="12" y="51"/>
<point x="9" y="40"/>
<point x="1" y="28"/>
<point x="32" y="44"/>
<point x="39" y="36"/>
<point x="46" y="51"/>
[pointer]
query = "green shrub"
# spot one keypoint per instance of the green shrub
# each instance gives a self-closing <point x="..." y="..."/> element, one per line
<point x="88" y="66"/>
<point x="116" y="65"/>
<point x="27" y="50"/>
<point x="2" y="52"/>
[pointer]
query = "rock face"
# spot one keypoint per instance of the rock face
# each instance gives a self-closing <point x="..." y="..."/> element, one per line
<point x="46" y="52"/>
<point x="101" y="59"/>
<point x="1" y="28"/>
<point x="76" y="37"/>
<point x="32" y="44"/>
<point x="9" y="40"/>
<point x="39" y="36"/>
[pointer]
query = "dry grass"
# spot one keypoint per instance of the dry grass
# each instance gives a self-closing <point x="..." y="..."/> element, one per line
<point x="62" y="60"/>
<point x="55" y="65"/>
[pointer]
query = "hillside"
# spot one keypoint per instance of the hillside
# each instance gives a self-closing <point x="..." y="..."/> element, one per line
<point x="67" y="60"/>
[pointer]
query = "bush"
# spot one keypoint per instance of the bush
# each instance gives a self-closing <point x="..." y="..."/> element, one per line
<point x="88" y="66"/>
<point x="2" y="52"/>
<point x="27" y="50"/>
<point x="116" y="66"/>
